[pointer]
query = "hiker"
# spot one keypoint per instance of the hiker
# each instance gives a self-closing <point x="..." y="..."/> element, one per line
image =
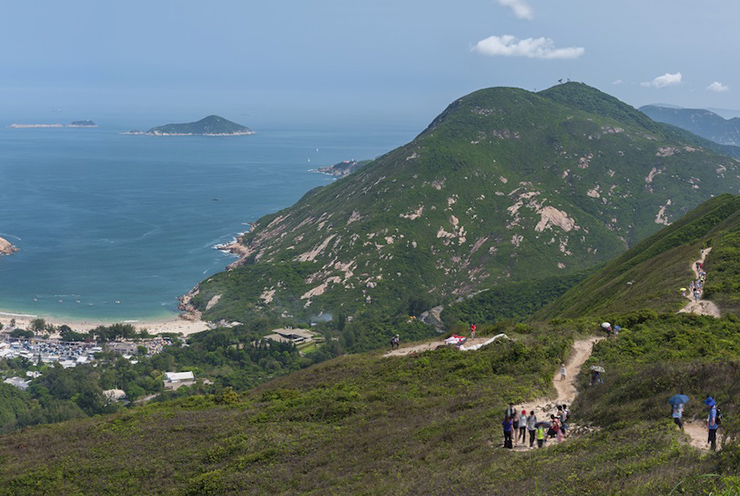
<point x="562" y="371"/>
<point x="607" y="328"/>
<point x="677" y="413"/>
<point x="395" y="342"/>
<point x="531" y="427"/>
<point x="523" y="426"/>
<point x="554" y="427"/>
<point x="712" y="423"/>
<point x="507" y="432"/>
<point x="511" y="411"/>
<point x="696" y="295"/>
<point x="541" y="436"/>
<point x="561" y="418"/>
<point x="472" y="331"/>
<point x="595" y="378"/>
<point x="515" y="425"/>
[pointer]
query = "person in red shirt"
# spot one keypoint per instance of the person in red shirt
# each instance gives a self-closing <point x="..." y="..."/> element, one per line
<point x="472" y="331"/>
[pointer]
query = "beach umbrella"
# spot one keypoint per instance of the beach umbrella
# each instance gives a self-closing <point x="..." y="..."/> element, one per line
<point x="543" y="423"/>
<point x="597" y="368"/>
<point x="678" y="399"/>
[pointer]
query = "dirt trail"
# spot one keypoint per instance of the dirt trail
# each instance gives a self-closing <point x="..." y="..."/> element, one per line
<point x="697" y="433"/>
<point x="469" y="345"/>
<point x="566" y="389"/>
<point x="701" y="307"/>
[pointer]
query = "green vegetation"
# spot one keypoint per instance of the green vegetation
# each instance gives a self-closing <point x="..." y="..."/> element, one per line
<point x="650" y="274"/>
<point x="421" y="424"/>
<point x="515" y="301"/>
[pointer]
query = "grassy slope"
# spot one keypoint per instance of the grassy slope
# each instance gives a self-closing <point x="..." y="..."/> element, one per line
<point x="650" y="274"/>
<point x="415" y="425"/>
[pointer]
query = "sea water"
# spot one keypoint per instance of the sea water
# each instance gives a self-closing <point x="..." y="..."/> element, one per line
<point x="115" y="227"/>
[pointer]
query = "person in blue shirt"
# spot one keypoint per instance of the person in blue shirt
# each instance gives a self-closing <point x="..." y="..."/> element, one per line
<point x="506" y="424"/>
<point x="712" y="422"/>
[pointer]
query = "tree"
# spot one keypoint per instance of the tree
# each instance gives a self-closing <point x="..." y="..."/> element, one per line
<point x="38" y="325"/>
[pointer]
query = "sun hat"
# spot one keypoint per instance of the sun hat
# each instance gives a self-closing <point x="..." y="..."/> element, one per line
<point x="710" y="401"/>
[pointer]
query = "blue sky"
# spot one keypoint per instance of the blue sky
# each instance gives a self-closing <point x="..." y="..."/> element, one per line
<point x="400" y="59"/>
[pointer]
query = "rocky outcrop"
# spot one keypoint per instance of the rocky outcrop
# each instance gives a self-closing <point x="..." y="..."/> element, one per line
<point x="6" y="248"/>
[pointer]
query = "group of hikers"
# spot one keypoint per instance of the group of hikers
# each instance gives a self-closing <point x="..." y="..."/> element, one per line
<point x="712" y="422"/>
<point x="516" y="425"/>
<point x="696" y="286"/>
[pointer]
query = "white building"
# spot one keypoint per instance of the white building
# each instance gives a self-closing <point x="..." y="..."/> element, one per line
<point x="175" y="380"/>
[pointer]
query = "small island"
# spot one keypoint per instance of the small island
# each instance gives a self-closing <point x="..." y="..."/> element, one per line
<point x="212" y="125"/>
<point x="85" y="123"/>
<point x="6" y="248"/>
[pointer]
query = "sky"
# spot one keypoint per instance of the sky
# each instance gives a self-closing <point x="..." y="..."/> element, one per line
<point x="394" y="60"/>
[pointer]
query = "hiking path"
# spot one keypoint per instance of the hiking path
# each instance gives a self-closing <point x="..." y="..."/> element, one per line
<point x="702" y="306"/>
<point x="566" y="389"/>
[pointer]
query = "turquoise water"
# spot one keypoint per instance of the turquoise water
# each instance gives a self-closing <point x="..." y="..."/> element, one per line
<point x="115" y="227"/>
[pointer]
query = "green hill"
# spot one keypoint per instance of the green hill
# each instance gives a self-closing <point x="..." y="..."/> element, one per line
<point x="505" y="185"/>
<point x="212" y="125"/>
<point x="650" y="274"/>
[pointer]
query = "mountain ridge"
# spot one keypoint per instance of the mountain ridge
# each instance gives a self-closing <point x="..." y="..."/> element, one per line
<point x="701" y="122"/>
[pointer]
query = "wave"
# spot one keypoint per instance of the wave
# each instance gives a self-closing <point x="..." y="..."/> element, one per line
<point x="25" y="315"/>
<point x="4" y="235"/>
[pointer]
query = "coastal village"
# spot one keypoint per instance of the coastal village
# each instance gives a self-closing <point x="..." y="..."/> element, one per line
<point x="41" y="351"/>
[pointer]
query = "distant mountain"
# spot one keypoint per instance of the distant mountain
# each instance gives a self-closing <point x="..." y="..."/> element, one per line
<point x="505" y="185"/>
<point x="701" y="122"/>
<point x="343" y="168"/>
<point x="212" y="125"/>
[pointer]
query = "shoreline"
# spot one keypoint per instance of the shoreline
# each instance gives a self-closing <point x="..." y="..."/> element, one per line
<point x="177" y="324"/>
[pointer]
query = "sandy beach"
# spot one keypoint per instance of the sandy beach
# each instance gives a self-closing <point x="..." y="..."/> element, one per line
<point x="154" y="326"/>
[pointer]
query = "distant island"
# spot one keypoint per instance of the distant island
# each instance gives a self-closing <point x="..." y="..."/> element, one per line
<point x="212" y="125"/>
<point x="6" y="248"/>
<point x="342" y="168"/>
<point x="85" y="123"/>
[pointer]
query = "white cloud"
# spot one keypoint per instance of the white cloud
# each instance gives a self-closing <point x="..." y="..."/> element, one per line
<point x="664" y="80"/>
<point x="718" y="87"/>
<point x="533" y="48"/>
<point x="617" y="82"/>
<point x="521" y="9"/>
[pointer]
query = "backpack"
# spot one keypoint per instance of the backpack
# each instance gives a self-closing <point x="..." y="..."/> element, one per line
<point x="718" y="418"/>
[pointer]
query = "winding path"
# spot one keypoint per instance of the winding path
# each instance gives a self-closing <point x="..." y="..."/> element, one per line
<point x="700" y="307"/>
<point x="566" y="389"/>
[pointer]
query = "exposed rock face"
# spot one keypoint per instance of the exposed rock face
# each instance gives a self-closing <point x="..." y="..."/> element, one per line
<point x="6" y="248"/>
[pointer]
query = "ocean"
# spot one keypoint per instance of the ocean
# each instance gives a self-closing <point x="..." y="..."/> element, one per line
<point x="114" y="227"/>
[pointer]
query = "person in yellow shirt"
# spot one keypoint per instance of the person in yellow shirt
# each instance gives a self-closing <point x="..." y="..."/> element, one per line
<point x="540" y="436"/>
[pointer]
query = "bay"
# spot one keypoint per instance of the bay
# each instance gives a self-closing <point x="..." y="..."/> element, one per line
<point x="115" y="227"/>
